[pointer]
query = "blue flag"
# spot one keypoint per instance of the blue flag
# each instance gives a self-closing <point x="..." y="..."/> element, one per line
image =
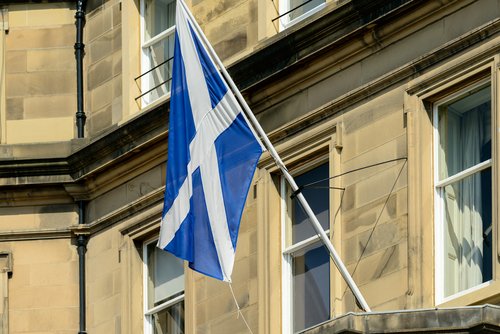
<point x="212" y="156"/>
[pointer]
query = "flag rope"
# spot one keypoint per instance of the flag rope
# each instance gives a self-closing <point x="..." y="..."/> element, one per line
<point x="239" y="309"/>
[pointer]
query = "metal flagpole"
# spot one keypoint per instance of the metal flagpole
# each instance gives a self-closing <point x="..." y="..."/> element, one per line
<point x="316" y="225"/>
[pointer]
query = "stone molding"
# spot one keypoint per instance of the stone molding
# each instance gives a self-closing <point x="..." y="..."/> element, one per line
<point x="140" y="212"/>
<point x="471" y="319"/>
<point x="406" y="71"/>
<point x="35" y="234"/>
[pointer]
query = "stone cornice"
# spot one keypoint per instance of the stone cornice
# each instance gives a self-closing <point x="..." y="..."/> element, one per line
<point x="146" y="209"/>
<point x="311" y="62"/>
<point x="122" y="151"/>
<point x="131" y="138"/>
<point x="404" y="72"/>
<point x="143" y="213"/>
<point x="285" y="52"/>
<point x="35" y="234"/>
<point x="468" y="319"/>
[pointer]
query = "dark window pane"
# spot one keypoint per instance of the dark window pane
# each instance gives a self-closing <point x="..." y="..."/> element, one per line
<point x="311" y="287"/>
<point x="159" y="16"/>
<point x="318" y="198"/>
<point x="165" y="276"/>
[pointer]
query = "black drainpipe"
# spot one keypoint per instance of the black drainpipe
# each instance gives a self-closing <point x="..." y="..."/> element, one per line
<point x="82" y="239"/>
<point x="79" y="53"/>
<point x="81" y="243"/>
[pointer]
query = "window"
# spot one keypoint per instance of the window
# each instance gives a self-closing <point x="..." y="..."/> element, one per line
<point x="306" y="262"/>
<point x="158" y="27"/>
<point x="293" y="11"/>
<point x="462" y="179"/>
<point x="163" y="291"/>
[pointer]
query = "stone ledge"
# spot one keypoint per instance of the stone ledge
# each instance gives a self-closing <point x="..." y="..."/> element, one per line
<point x="468" y="319"/>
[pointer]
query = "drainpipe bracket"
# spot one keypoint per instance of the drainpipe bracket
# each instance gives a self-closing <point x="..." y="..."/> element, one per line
<point x="80" y="230"/>
<point x="79" y="46"/>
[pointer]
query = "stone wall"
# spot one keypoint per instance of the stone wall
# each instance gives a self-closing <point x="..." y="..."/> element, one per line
<point x="374" y="205"/>
<point x="104" y="288"/>
<point x="103" y="63"/>
<point x="230" y="25"/>
<point x="37" y="218"/>
<point x="43" y="286"/>
<point x="40" y="73"/>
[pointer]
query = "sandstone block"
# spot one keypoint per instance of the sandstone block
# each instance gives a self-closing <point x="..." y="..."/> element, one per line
<point x="100" y="121"/>
<point x="51" y="106"/>
<point x="23" y="39"/>
<point x="35" y="130"/>
<point x="59" y="59"/>
<point x="15" y="61"/>
<point x="99" y="23"/>
<point x="15" y="109"/>
<point x="50" y="14"/>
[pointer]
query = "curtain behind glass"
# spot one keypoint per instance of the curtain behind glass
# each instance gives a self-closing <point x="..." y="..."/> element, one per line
<point x="464" y="128"/>
<point x="159" y="54"/>
<point x="166" y="276"/>
<point x="159" y="16"/>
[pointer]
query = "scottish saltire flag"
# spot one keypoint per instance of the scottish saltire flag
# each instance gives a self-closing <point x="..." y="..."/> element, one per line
<point x="212" y="156"/>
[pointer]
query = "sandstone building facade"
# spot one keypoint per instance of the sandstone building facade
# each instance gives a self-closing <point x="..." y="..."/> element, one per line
<point x="386" y="110"/>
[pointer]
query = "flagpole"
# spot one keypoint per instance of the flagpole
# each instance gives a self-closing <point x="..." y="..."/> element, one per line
<point x="274" y="154"/>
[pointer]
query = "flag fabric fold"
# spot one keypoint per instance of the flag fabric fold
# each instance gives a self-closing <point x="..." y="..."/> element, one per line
<point x="212" y="156"/>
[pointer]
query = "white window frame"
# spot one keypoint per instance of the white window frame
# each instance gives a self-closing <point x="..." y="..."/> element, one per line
<point x="439" y="185"/>
<point x="149" y="312"/>
<point x="285" y="22"/>
<point x="146" y="65"/>
<point x="288" y="251"/>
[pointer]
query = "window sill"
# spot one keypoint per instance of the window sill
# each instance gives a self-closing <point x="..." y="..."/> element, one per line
<point x="489" y="293"/>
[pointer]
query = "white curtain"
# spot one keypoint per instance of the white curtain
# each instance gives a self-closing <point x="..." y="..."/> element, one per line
<point x="471" y="260"/>
<point x="464" y="136"/>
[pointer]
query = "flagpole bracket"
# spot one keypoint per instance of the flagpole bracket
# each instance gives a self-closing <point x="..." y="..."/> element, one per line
<point x="296" y="192"/>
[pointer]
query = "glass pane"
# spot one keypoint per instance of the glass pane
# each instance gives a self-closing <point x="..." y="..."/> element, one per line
<point x="311" y="287"/>
<point x="468" y="243"/>
<point x="317" y="196"/>
<point x="297" y="9"/>
<point x="170" y="320"/>
<point x="464" y="132"/>
<point x="160" y="61"/>
<point x="159" y="16"/>
<point x="166" y="276"/>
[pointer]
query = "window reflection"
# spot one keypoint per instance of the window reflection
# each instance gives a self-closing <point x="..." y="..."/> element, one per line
<point x="310" y="263"/>
<point x="311" y="287"/>
<point x="317" y="196"/>
<point x="164" y="299"/>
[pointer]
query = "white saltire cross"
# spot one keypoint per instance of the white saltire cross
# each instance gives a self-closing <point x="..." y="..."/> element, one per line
<point x="209" y="124"/>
